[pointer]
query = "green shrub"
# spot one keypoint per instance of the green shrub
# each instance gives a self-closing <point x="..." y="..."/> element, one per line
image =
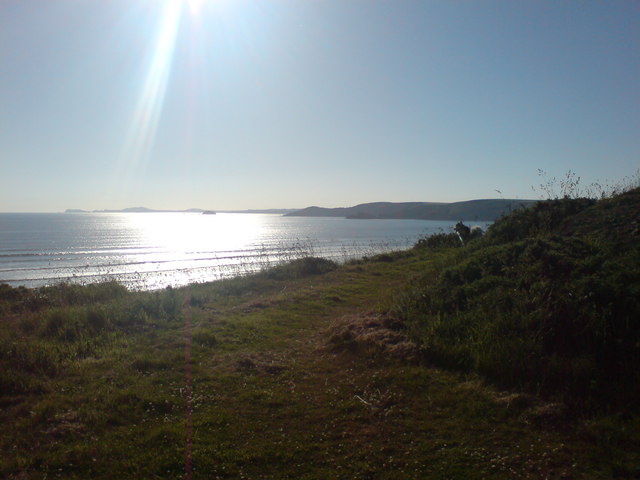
<point x="439" y="240"/>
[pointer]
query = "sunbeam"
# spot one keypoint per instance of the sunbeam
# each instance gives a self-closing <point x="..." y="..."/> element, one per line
<point x="143" y="128"/>
<point x="194" y="6"/>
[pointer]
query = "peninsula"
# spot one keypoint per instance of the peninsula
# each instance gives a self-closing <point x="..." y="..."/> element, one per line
<point x="487" y="209"/>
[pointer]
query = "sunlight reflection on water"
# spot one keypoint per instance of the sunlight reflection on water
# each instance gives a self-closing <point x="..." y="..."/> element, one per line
<point x="154" y="250"/>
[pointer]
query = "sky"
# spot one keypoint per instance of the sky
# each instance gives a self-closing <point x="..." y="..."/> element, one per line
<point x="235" y="104"/>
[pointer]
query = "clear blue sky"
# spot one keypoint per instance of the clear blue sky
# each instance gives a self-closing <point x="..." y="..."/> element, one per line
<point x="232" y="104"/>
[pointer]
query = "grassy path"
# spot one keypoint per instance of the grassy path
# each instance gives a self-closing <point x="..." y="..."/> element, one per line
<point x="278" y="402"/>
<point x="257" y="379"/>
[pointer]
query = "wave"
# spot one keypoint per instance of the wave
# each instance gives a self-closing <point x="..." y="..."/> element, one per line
<point x="161" y="253"/>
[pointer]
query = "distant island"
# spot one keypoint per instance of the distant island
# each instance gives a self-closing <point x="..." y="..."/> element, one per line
<point x="476" y="210"/>
<point x="472" y="210"/>
<point x="281" y="211"/>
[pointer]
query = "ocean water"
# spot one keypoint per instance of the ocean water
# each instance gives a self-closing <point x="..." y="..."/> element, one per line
<point x="154" y="250"/>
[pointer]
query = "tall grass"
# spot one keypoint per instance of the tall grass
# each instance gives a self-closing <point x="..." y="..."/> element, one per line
<point x="570" y="186"/>
<point x="49" y="327"/>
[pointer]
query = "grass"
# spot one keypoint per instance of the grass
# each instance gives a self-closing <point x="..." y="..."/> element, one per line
<point x="547" y="301"/>
<point x="305" y="371"/>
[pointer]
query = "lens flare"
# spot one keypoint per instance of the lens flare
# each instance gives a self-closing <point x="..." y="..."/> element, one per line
<point x="194" y="6"/>
<point x="147" y="114"/>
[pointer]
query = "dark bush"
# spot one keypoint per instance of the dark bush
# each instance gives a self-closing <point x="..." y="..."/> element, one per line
<point x="439" y="240"/>
<point x="11" y="294"/>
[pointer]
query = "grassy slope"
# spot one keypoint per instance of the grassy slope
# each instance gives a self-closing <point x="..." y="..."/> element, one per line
<point x="95" y="385"/>
<point x="548" y="300"/>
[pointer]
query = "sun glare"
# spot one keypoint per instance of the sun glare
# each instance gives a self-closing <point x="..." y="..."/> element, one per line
<point x="146" y="117"/>
<point x="194" y="6"/>
<point x="145" y="121"/>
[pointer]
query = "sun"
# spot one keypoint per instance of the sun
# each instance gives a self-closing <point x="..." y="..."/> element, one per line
<point x="194" y="6"/>
<point x="146" y="117"/>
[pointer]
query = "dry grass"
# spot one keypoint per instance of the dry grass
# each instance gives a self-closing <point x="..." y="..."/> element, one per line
<point x="372" y="334"/>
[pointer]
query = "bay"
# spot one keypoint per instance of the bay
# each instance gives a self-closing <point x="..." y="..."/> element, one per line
<point x="154" y="250"/>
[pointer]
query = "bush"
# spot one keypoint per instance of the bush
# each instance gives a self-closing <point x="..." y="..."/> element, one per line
<point x="439" y="240"/>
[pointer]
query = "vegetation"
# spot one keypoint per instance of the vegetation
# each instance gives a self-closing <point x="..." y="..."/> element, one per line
<point x="548" y="301"/>
<point x="514" y="354"/>
<point x="489" y="209"/>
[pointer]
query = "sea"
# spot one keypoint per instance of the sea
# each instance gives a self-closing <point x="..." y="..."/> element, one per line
<point x="147" y="251"/>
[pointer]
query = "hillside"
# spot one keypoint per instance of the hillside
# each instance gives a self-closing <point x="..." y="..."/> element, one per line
<point x="473" y="210"/>
<point x="615" y="220"/>
<point x="548" y="301"/>
<point x="515" y="356"/>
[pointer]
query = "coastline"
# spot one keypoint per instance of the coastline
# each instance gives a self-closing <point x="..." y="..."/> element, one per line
<point x="318" y="370"/>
